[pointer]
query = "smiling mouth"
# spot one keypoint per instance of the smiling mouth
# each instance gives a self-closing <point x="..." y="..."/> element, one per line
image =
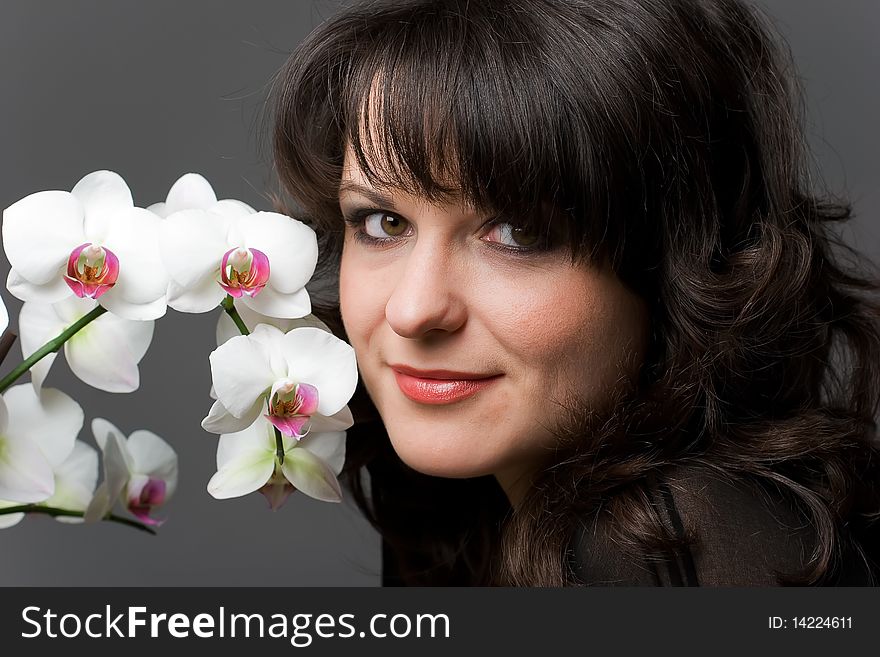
<point x="434" y="390"/>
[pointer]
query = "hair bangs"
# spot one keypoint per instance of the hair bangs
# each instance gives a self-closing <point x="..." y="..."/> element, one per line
<point x="456" y="123"/>
<point x="439" y="106"/>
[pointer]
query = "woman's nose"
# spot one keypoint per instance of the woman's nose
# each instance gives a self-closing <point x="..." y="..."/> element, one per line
<point x="428" y="295"/>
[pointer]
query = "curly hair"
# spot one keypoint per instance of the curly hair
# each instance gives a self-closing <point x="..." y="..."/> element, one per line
<point x="665" y="136"/>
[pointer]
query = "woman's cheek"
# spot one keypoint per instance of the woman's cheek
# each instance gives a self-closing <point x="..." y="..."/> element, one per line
<point x="361" y="294"/>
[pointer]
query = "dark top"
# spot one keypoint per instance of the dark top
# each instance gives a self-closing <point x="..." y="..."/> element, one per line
<point x="742" y="536"/>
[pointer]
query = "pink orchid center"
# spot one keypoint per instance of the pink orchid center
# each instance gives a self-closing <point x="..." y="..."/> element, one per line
<point x="244" y="271"/>
<point x="144" y="493"/>
<point x="91" y="270"/>
<point x="291" y="407"/>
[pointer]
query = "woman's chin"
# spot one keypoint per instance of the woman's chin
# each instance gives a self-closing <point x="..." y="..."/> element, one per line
<point x="441" y="458"/>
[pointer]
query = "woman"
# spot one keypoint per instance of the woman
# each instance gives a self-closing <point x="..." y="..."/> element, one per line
<point x="604" y="329"/>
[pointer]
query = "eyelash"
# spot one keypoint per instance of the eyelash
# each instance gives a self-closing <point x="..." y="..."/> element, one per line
<point x="357" y="220"/>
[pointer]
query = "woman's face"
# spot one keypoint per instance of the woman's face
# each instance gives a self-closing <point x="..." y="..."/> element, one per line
<point x="467" y="339"/>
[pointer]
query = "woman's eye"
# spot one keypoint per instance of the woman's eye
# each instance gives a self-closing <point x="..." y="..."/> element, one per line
<point x="380" y="225"/>
<point x="510" y="235"/>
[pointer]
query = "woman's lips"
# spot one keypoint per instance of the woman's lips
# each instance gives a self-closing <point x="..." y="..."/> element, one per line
<point x="440" y="391"/>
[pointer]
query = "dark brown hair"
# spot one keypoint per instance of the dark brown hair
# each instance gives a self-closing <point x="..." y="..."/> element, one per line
<point x="664" y="136"/>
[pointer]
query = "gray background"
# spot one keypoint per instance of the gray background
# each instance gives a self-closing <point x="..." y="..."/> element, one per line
<point x="155" y="89"/>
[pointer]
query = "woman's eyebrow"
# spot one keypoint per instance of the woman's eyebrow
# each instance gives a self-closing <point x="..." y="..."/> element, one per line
<point x="375" y="196"/>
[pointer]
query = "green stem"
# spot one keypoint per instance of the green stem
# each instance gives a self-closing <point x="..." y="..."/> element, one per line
<point x="279" y="447"/>
<point x="54" y="512"/>
<point x="228" y="304"/>
<point x="50" y="347"/>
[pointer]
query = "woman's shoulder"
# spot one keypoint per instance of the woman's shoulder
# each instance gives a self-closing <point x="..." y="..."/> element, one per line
<point x="740" y="533"/>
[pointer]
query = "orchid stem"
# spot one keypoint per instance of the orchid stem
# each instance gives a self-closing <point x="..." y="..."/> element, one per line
<point x="279" y="447"/>
<point x="228" y="304"/>
<point x="51" y="347"/>
<point x="54" y="512"/>
<point x="6" y="343"/>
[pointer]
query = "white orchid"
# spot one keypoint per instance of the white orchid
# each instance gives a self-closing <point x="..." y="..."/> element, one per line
<point x="142" y="470"/>
<point x="247" y="462"/>
<point x="105" y="353"/>
<point x="212" y="248"/>
<point x="226" y="328"/>
<point x="4" y="317"/>
<point x="75" y="480"/>
<point x="37" y="434"/>
<point x="301" y="375"/>
<point x="89" y="242"/>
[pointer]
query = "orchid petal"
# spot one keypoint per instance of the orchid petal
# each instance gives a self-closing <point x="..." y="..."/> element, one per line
<point x="75" y="480"/>
<point x="38" y="323"/>
<point x="219" y="420"/>
<point x="190" y="192"/>
<point x="138" y="335"/>
<point x="10" y="519"/>
<point x="203" y="296"/>
<point x="324" y="361"/>
<point x="245" y="461"/>
<point x="272" y="340"/>
<point x="154" y="457"/>
<point x="309" y="474"/>
<point x="142" y="312"/>
<point x="103" y="194"/>
<point x="277" y="490"/>
<point x="4" y="317"/>
<point x="72" y="309"/>
<point x="192" y="243"/>
<point x="291" y="246"/>
<point x="143" y="495"/>
<point x="307" y="395"/>
<point x="227" y="329"/>
<point x="231" y="208"/>
<point x="159" y="209"/>
<point x="134" y="238"/>
<point x="116" y="476"/>
<point x="240" y="369"/>
<point x="102" y="430"/>
<point x="100" y="355"/>
<point x="337" y="422"/>
<point x="272" y="303"/>
<point x="39" y="232"/>
<point x="259" y="437"/>
<point x="25" y="474"/>
<point x="329" y="446"/>
<point x="241" y="478"/>
<point x="55" y="290"/>
<point x="294" y="427"/>
<point x="51" y="421"/>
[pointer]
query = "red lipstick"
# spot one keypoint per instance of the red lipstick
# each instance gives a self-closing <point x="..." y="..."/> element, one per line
<point x="440" y="386"/>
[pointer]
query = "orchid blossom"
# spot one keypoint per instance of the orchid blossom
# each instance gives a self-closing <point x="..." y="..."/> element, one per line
<point x="247" y="461"/>
<point x="75" y="481"/>
<point x="296" y="377"/>
<point x="142" y="470"/>
<point x="91" y="242"/>
<point x="213" y="248"/>
<point x="37" y="434"/>
<point x="105" y="353"/>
